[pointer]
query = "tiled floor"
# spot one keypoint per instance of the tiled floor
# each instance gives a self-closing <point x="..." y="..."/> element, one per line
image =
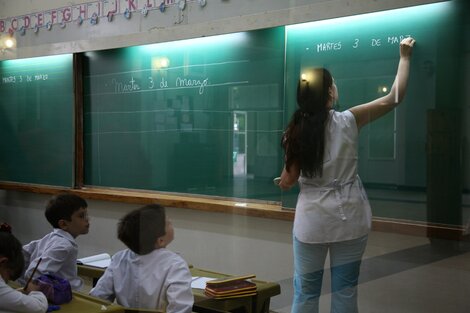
<point x="404" y="274"/>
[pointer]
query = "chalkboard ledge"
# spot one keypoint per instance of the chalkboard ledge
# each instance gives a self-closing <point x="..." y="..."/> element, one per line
<point x="195" y="202"/>
<point x="256" y="209"/>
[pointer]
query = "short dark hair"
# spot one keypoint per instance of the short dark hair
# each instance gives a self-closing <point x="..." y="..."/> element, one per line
<point x="11" y="248"/>
<point x="140" y="229"/>
<point x="62" y="206"/>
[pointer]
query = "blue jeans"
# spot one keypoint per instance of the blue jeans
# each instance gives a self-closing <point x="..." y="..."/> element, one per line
<point x="309" y="261"/>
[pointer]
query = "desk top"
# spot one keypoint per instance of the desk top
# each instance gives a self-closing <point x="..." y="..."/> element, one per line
<point x="90" y="271"/>
<point x="253" y="304"/>
<point x="83" y="303"/>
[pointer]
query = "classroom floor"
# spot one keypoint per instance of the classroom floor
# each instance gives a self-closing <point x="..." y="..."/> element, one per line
<point x="400" y="274"/>
<point x="404" y="274"/>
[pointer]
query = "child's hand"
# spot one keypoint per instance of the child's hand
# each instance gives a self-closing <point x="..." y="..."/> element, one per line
<point x="32" y="286"/>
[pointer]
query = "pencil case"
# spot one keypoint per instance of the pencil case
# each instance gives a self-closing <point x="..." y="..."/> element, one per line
<point x="56" y="289"/>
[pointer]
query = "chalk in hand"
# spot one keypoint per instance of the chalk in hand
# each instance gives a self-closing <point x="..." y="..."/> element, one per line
<point x="277" y="180"/>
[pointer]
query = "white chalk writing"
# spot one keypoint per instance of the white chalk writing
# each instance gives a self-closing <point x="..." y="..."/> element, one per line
<point x="163" y="79"/>
<point x="185" y="82"/>
<point x="18" y="79"/>
<point x="329" y="46"/>
<point x="356" y="43"/>
<point x="125" y="87"/>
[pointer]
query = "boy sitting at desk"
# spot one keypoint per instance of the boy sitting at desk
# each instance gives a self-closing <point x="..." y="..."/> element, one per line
<point x="67" y="213"/>
<point x="147" y="275"/>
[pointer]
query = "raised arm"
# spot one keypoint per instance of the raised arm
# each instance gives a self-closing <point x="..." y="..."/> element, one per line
<point x="367" y="112"/>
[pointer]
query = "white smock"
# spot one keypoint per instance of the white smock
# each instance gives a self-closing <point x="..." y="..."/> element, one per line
<point x="12" y="300"/>
<point x="334" y="207"/>
<point x="58" y="251"/>
<point x="158" y="280"/>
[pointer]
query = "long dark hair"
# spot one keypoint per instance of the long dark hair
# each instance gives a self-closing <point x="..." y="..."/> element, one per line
<point x="304" y="139"/>
<point x="11" y="248"/>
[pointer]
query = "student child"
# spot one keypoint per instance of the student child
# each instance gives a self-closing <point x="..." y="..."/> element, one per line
<point x="147" y="275"/>
<point x="67" y="213"/>
<point x="11" y="266"/>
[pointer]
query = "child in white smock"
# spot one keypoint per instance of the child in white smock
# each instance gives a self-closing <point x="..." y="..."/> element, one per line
<point x="30" y="300"/>
<point x="147" y="275"/>
<point x="58" y="250"/>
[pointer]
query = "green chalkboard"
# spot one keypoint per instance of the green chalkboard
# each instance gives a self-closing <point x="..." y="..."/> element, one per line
<point x="200" y="116"/>
<point x="362" y="53"/>
<point x="36" y="120"/>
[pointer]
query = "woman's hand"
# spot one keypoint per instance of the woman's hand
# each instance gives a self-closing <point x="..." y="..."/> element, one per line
<point x="406" y="47"/>
<point x="289" y="178"/>
<point x="368" y="112"/>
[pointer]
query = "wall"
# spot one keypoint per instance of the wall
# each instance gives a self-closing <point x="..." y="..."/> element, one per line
<point x="217" y="17"/>
<point x="221" y="242"/>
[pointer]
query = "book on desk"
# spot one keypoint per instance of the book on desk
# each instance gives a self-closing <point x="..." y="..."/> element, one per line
<point x="258" y="303"/>
<point x="99" y="260"/>
<point x="231" y="287"/>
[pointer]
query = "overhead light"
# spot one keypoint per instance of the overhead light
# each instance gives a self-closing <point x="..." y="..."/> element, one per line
<point x="7" y="42"/>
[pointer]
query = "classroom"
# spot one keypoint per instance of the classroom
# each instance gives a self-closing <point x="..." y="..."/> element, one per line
<point x="184" y="103"/>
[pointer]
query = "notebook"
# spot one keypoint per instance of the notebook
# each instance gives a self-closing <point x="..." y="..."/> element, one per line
<point x="99" y="260"/>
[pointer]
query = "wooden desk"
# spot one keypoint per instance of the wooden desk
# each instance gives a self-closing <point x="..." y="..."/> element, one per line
<point x="90" y="271"/>
<point x="253" y="304"/>
<point x="84" y="303"/>
<point x="132" y="310"/>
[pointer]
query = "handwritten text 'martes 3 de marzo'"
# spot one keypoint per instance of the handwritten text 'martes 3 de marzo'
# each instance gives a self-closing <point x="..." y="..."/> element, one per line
<point x="133" y="85"/>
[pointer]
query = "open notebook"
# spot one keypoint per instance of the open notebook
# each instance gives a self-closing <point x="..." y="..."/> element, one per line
<point x="199" y="282"/>
<point x="99" y="260"/>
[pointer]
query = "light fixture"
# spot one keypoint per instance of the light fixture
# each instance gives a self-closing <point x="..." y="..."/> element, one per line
<point x="7" y="42"/>
<point x="382" y="89"/>
<point x="159" y="63"/>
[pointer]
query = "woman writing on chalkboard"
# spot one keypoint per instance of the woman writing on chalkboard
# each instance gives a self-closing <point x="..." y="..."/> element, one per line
<point x="332" y="212"/>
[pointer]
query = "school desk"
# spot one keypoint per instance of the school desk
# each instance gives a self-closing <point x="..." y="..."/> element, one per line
<point x="84" y="303"/>
<point x="131" y="310"/>
<point x="253" y="304"/>
<point x="90" y="271"/>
